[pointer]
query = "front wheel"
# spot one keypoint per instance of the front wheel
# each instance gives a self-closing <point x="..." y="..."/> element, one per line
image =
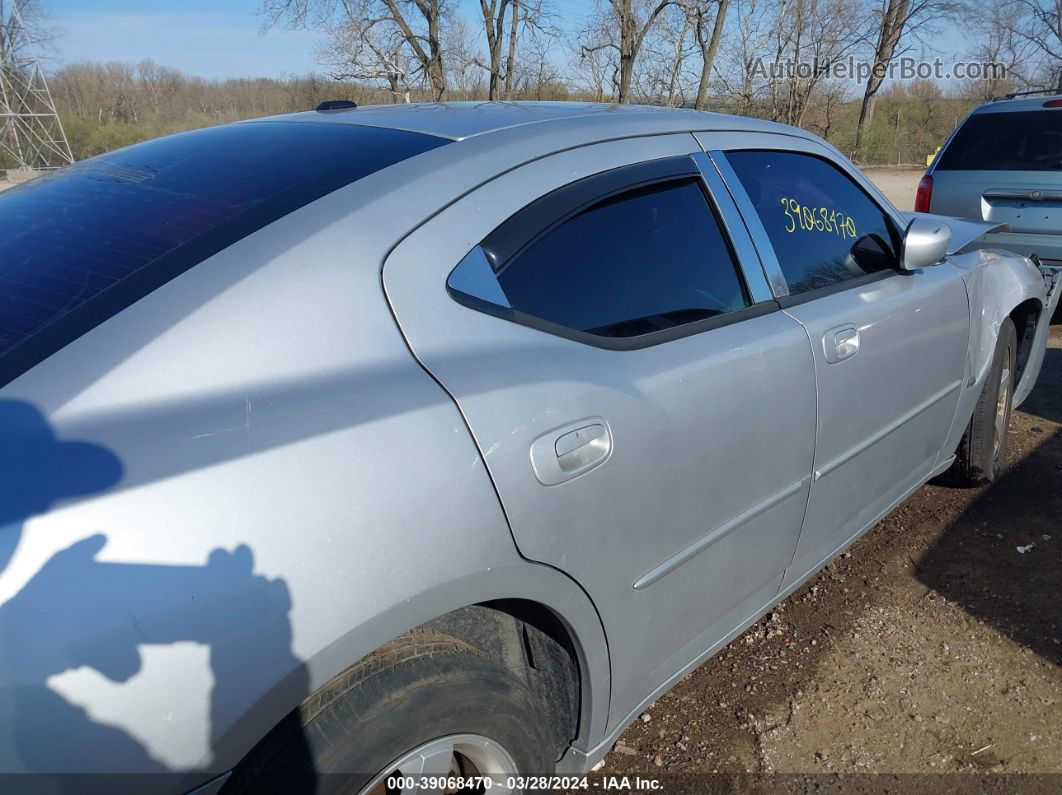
<point x="983" y="449"/>
<point x="424" y="705"/>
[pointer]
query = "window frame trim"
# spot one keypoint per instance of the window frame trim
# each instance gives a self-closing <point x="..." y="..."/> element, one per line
<point x="632" y="343"/>
<point x="506" y="242"/>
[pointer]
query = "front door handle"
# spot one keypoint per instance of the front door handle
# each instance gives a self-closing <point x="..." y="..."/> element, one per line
<point x="571" y="450"/>
<point x="840" y="343"/>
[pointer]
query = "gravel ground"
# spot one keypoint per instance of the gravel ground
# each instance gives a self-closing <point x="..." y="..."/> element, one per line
<point x="898" y="184"/>
<point x="932" y="645"/>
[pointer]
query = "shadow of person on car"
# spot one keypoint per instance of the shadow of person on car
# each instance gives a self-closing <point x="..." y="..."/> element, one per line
<point x="79" y="612"/>
<point x="38" y="470"/>
<point x="1000" y="560"/>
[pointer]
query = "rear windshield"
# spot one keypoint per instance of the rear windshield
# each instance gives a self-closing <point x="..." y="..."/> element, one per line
<point x="1028" y="140"/>
<point x="80" y="245"/>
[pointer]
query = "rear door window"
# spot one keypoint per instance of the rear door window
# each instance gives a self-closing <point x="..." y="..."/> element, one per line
<point x="80" y="245"/>
<point x="1007" y="141"/>
<point x="645" y="260"/>
<point x="824" y="229"/>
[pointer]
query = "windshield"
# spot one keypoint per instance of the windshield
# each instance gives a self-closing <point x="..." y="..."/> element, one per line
<point x="1015" y="141"/>
<point x="78" y="246"/>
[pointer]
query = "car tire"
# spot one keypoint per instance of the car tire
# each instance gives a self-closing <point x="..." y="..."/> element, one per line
<point x="400" y="700"/>
<point x="983" y="449"/>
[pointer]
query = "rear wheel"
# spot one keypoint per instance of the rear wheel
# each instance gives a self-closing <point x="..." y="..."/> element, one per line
<point x="983" y="449"/>
<point x="426" y="704"/>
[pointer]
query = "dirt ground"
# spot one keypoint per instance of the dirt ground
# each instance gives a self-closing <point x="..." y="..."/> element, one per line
<point x="898" y="184"/>
<point x="932" y="645"/>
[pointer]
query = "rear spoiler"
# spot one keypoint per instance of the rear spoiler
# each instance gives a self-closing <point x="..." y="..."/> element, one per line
<point x="963" y="230"/>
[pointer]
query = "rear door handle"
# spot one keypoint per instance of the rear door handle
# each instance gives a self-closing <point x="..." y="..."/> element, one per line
<point x="571" y="450"/>
<point x="840" y="343"/>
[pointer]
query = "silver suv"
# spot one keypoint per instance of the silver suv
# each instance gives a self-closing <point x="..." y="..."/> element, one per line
<point x="1003" y="163"/>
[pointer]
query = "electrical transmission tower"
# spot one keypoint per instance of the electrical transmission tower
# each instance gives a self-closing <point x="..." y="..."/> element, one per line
<point x="31" y="135"/>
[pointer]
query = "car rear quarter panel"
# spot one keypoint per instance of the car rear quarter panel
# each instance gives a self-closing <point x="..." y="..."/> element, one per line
<point x="247" y="484"/>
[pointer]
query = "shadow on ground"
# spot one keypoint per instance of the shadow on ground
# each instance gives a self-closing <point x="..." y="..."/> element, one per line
<point x="1000" y="560"/>
<point x="1046" y="398"/>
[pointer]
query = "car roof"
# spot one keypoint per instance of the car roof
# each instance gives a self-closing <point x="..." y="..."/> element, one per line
<point x="461" y="120"/>
<point x="1005" y="105"/>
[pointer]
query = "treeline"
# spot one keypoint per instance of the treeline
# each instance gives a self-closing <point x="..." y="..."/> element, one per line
<point x="106" y="106"/>
<point x="747" y="57"/>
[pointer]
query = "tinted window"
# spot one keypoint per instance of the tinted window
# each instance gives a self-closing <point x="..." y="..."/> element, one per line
<point x="1016" y="141"/>
<point x="823" y="227"/>
<point x="78" y="246"/>
<point x="643" y="261"/>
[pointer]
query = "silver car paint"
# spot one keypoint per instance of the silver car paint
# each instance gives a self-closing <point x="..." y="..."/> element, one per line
<point x="635" y="531"/>
<point x="871" y="452"/>
<point x="979" y="243"/>
<point x="266" y="398"/>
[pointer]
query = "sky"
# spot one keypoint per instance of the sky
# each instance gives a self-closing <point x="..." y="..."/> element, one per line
<point x="220" y="38"/>
<point x="209" y="38"/>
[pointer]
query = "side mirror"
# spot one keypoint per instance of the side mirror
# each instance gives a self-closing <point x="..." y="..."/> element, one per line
<point x="925" y="242"/>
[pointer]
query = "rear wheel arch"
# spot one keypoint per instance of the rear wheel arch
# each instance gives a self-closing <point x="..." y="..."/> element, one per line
<point x="536" y="646"/>
<point x="531" y="641"/>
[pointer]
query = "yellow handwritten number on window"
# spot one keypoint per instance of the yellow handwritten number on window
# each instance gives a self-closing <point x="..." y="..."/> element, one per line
<point x="817" y="219"/>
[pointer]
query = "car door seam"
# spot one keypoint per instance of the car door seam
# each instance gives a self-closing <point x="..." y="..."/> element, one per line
<point x="719" y="533"/>
<point x="881" y="433"/>
<point x="814" y="441"/>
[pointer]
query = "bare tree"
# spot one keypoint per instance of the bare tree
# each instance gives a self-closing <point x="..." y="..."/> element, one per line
<point x="896" y="21"/>
<point x="662" y="74"/>
<point x="464" y="73"/>
<point x="823" y="113"/>
<point x="494" y="25"/>
<point x="754" y="23"/>
<point x="38" y="32"/>
<point x="989" y="27"/>
<point x="622" y="26"/>
<point x="375" y="24"/>
<point x="704" y="12"/>
<point x="506" y="23"/>
<point x="1037" y="24"/>
<point x="159" y="83"/>
<point x="361" y="47"/>
<point x="519" y="11"/>
<point x="820" y="33"/>
<point x="593" y="64"/>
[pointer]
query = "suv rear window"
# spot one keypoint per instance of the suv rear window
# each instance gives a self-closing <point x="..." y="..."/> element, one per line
<point x="78" y="246"/>
<point x="1028" y="140"/>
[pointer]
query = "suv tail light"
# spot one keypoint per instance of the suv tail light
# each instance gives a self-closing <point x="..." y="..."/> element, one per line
<point x="1053" y="103"/>
<point x="924" y="194"/>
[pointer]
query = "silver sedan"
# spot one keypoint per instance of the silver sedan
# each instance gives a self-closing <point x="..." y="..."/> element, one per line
<point x="364" y="446"/>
